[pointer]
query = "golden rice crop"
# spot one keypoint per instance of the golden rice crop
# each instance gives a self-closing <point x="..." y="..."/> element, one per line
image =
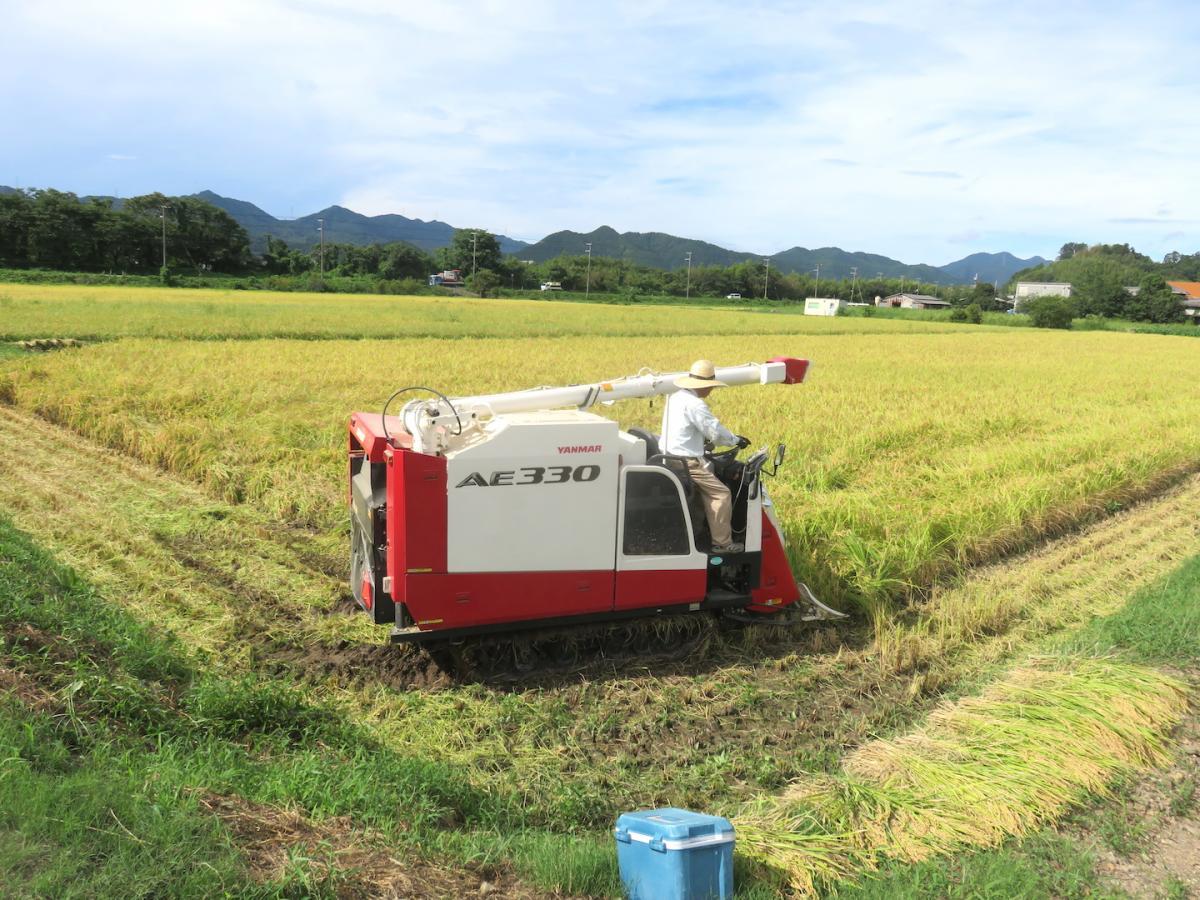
<point x="909" y="455"/>
<point x="982" y="769"/>
<point x="69" y="311"/>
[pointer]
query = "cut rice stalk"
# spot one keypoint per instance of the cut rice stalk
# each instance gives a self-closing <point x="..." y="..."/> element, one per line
<point x="981" y="770"/>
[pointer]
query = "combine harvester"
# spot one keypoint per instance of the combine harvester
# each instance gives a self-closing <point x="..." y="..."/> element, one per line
<point x="521" y="511"/>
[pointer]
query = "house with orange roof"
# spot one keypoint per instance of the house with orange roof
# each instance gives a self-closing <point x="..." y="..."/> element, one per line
<point x="1189" y="293"/>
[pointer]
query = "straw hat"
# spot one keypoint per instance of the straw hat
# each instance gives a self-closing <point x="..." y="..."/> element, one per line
<point x="702" y="374"/>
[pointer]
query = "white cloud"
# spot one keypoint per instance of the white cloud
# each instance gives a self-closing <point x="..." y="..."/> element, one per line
<point x="901" y="128"/>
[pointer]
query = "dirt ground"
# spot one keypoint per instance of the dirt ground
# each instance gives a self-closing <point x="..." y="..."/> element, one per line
<point x="274" y="839"/>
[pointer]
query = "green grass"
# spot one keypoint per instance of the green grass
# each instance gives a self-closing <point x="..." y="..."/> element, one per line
<point x="1160" y="624"/>
<point x="106" y="709"/>
<point x="1043" y="865"/>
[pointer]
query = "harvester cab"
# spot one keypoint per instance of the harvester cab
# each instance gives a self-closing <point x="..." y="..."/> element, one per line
<point x="521" y="510"/>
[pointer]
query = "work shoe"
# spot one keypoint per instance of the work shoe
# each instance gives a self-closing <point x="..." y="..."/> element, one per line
<point x="730" y="548"/>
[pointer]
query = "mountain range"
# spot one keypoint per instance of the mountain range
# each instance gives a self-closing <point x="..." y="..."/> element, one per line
<point x="665" y="251"/>
<point x="656" y="249"/>
<point x="342" y="226"/>
<point x="661" y="251"/>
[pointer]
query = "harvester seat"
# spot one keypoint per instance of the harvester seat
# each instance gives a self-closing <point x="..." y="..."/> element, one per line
<point x="650" y="440"/>
<point x="678" y="465"/>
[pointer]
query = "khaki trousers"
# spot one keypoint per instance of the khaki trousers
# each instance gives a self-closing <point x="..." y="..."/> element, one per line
<point x="718" y="503"/>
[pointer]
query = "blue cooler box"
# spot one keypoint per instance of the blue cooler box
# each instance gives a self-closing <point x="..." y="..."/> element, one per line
<point x="673" y="854"/>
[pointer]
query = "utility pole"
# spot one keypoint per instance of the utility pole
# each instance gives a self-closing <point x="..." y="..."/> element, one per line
<point x="853" y="282"/>
<point x="766" y="276"/>
<point x="474" y="241"/>
<point x="321" y="230"/>
<point x="587" y="292"/>
<point x="817" y="286"/>
<point x="164" y="209"/>
<point x="688" y="290"/>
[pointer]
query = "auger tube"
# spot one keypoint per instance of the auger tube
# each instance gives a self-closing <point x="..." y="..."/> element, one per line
<point x="420" y="417"/>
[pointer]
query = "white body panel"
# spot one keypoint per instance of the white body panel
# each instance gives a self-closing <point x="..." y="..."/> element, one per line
<point x="754" y="520"/>
<point x="534" y="492"/>
<point x="633" y="449"/>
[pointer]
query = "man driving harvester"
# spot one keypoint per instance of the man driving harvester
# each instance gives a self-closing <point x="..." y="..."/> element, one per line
<point x="687" y="424"/>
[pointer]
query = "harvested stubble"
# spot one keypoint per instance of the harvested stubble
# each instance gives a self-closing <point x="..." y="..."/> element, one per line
<point x="981" y="770"/>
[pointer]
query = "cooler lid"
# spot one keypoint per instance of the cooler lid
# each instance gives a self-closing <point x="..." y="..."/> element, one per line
<point x="676" y="829"/>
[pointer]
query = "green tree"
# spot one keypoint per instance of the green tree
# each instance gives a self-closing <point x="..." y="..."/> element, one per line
<point x="1070" y="249"/>
<point x="983" y="295"/>
<point x="200" y="236"/>
<point x="404" y="261"/>
<point x="1154" y="302"/>
<point x="484" y="282"/>
<point x="471" y="249"/>
<point x="1050" y="311"/>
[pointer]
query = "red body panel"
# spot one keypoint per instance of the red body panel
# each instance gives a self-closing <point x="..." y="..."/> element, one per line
<point x="777" y="586"/>
<point x="416" y="516"/>
<point x="660" y="588"/>
<point x="460" y="600"/>
<point x="366" y="430"/>
<point x="794" y="369"/>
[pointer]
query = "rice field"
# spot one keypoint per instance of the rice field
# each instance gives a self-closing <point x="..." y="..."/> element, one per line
<point x="185" y="473"/>
<point x="33" y="311"/>
<point x="910" y="456"/>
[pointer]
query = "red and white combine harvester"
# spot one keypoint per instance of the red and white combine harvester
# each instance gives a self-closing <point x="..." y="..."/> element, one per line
<point x="521" y="510"/>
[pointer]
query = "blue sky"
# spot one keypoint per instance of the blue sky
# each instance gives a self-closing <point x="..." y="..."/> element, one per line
<point x="920" y="130"/>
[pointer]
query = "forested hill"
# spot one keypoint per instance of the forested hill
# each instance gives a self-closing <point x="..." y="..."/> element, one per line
<point x="1110" y="268"/>
<point x="342" y="226"/>
<point x="665" y="251"/>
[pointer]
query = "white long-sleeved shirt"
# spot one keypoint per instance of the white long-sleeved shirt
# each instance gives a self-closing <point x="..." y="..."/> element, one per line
<point x="687" y="422"/>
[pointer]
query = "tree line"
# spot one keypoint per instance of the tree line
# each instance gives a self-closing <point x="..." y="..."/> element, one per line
<point x="50" y="229"/>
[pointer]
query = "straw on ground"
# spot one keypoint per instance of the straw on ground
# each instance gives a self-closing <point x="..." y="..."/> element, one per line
<point x="982" y="769"/>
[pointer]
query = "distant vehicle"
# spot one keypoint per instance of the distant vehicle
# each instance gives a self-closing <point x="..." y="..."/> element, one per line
<point x="734" y="296"/>
<point x="448" y="278"/>
<point x="551" y="285"/>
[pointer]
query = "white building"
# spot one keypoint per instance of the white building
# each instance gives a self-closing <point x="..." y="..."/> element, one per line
<point x="823" y="306"/>
<point x="1028" y="289"/>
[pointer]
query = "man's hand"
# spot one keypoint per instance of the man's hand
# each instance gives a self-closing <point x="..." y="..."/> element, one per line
<point x="742" y="442"/>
